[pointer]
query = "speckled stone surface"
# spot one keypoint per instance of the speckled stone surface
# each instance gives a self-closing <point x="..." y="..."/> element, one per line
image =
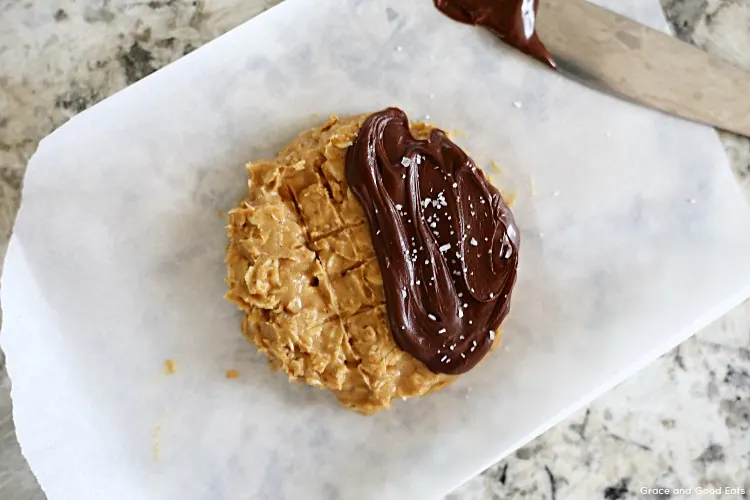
<point x="681" y="422"/>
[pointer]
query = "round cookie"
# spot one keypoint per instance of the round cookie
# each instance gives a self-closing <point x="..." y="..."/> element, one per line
<point x="302" y="267"/>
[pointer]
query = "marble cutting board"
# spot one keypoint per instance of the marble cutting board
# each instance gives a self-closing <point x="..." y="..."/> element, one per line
<point x="633" y="233"/>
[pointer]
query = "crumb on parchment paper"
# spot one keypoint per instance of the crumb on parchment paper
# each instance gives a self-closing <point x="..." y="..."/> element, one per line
<point x="170" y="366"/>
<point x="157" y="450"/>
<point x="509" y="197"/>
<point x="456" y="133"/>
<point x="231" y="374"/>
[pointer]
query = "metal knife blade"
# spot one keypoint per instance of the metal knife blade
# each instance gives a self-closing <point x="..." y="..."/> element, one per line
<point x="614" y="54"/>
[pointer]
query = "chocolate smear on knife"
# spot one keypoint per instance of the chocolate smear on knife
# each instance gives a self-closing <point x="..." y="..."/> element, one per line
<point x="446" y="242"/>
<point x="512" y="21"/>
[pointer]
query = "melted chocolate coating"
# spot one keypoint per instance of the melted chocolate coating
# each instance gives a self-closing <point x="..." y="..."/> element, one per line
<point x="512" y="21"/>
<point x="446" y="241"/>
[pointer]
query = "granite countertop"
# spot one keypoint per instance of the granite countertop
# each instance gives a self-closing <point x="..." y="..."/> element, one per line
<point x="681" y="422"/>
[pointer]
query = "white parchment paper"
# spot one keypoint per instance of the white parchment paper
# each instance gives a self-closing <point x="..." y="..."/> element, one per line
<point x="634" y="235"/>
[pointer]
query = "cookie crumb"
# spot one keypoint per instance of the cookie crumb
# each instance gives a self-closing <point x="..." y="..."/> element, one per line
<point x="170" y="366"/>
<point x="457" y="133"/>
<point x="232" y="374"/>
<point x="220" y="214"/>
<point x="157" y="449"/>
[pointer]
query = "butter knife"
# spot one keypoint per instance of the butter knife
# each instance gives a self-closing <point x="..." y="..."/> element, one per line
<point x="613" y="54"/>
